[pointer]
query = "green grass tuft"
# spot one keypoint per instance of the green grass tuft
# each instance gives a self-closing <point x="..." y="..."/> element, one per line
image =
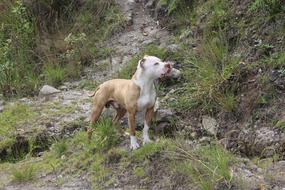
<point x="23" y="175"/>
<point x="146" y="151"/>
<point x="206" y="166"/>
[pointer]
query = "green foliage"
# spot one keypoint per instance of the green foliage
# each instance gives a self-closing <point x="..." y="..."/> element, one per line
<point x="139" y="172"/>
<point x="16" y="51"/>
<point x="213" y="64"/>
<point x="54" y="74"/>
<point x="281" y="125"/>
<point x="88" y="84"/>
<point x="60" y="148"/>
<point x="105" y="135"/>
<point x="23" y="174"/>
<point x="172" y="5"/>
<point x="272" y="6"/>
<point x="146" y="151"/>
<point x="206" y="166"/>
<point x="13" y="117"/>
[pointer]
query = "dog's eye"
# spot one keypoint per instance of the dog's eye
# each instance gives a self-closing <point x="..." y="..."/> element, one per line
<point x="156" y="63"/>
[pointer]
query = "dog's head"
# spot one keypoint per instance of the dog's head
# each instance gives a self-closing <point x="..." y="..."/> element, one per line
<point x="154" y="67"/>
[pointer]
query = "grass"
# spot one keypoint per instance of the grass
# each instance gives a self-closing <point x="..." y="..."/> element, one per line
<point x="23" y="175"/>
<point x="105" y="135"/>
<point x="206" y="166"/>
<point x="146" y="151"/>
<point x="13" y="117"/>
<point x="88" y="84"/>
<point x="54" y="75"/>
<point x="206" y="69"/>
<point x="139" y="172"/>
<point x="60" y="148"/>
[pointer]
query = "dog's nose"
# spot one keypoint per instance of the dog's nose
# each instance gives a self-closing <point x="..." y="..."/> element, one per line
<point x="168" y="67"/>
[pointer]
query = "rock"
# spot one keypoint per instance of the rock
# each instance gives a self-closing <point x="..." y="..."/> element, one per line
<point x="164" y="115"/>
<point x="263" y="142"/>
<point x="63" y="87"/>
<point x="277" y="174"/>
<point x="164" y="128"/>
<point x="1" y="106"/>
<point x="173" y="48"/>
<point x="48" y="90"/>
<point x="210" y="125"/>
<point x="150" y="4"/>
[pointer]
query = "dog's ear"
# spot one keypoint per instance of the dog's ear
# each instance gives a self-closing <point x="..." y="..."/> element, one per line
<point x="141" y="62"/>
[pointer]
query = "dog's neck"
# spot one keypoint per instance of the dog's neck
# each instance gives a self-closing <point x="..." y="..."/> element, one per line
<point x="142" y="80"/>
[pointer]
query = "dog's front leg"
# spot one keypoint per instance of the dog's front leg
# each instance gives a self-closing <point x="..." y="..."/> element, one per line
<point x="132" y="127"/>
<point x="147" y="123"/>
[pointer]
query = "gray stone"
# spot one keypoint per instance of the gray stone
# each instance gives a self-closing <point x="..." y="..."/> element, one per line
<point x="164" y="115"/>
<point x="1" y="105"/>
<point x="48" y="90"/>
<point x="210" y="125"/>
<point x="264" y="142"/>
<point x="173" y="48"/>
<point x="150" y="4"/>
<point x="164" y="128"/>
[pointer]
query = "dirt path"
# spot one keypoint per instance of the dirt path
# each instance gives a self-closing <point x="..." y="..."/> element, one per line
<point x="142" y="30"/>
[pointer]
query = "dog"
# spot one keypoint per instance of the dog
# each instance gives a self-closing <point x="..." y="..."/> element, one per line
<point x="132" y="96"/>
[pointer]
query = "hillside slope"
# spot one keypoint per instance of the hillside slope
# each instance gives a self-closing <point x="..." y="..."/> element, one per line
<point x="220" y="126"/>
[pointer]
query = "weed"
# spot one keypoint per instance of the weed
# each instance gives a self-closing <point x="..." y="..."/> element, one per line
<point x="54" y="74"/>
<point x="206" y="166"/>
<point x="105" y="135"/>
<point x="280" y="124"/>
<point x="139" y="172"/>
<point x="146" y="151"/>
<point x="13" y="117"/>
<point x="60" y="148"/>
<point x="23" y="174"/>
<point x="272" y="6"/>
<point x="88" y="84"/>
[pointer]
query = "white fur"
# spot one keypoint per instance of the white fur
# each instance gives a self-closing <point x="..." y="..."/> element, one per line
<point x="146" y="138"/>
<point x="146" y="74"/>
<point x="134" y="143"/>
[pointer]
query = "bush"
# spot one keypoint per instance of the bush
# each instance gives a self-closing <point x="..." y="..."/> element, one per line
<point x="16" y="51"/>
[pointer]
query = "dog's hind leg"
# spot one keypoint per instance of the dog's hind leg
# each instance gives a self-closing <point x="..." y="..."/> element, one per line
<point x="99" y="101"/>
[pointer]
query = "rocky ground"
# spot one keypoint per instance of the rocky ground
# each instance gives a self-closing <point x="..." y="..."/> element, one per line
<point x="61" y="113"/>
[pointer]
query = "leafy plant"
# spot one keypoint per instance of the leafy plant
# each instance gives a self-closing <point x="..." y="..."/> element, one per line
<point x="16" y="45"/>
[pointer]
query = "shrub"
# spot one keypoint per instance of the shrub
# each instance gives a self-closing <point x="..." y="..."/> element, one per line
<point x="16" y="51"/>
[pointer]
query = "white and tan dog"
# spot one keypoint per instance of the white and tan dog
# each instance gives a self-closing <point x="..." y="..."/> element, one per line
<point x="132" y="96"/>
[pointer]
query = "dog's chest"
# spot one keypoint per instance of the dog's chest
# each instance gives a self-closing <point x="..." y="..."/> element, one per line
<point x="147" y="98"/>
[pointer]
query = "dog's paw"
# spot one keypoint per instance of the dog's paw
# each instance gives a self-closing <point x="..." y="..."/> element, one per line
<point x="135" y="146"/>
<point x="134" y="143"/>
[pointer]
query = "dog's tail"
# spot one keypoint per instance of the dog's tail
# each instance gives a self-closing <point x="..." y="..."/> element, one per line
<point x="93" y="94"/>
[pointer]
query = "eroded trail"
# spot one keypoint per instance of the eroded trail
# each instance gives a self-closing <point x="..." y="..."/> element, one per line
<point x="72" y="104"/>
